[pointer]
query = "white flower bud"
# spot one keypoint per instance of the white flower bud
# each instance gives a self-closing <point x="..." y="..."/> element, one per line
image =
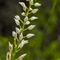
<point x="17" y="17"/>
<point x="17" y="30"/>
<point x="30" y="9"/>
<point x="34" y="10"/>
<point x="21" y="36"/>
<point x="26" y="19"/>
<point x="17" y="22"/>
<point x="23" y="5"/>
<point x="10" y="47"/>
<point x="8" y="56"/>
<point x="27" y="22"/>
<point x="14" y="34"/>
<point x="29" y="35"/>
<point x="31" y="2"/>
<point x="33" y="18"/>
<point x="27" y="0"/>
<point x="37" y="4"/>
<point x="23" y="14"/>
<point x="21" y="57"/>
<point x="31" y="27"/>
<point x="23" y="42"/>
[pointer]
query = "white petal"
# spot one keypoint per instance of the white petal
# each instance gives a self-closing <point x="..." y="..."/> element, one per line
<point x="27" y="0"/>
<point x="33" y="18"/>
<point x="29" y="35"/>
<point x="34" y="10"/>
<point x="17" y="17"/>
<point x="26" y="19"/>
<point x="8" y="56"/>
<point x="14" y="34"/>
<point x="31" y="27"/>
<point x="30" y="9"/>
<point x="23" y="14"/>
<point x="17" y="22"/>
<point x="17" y="30"/>
<point x="27" y="22"/>
<point x="23" y="5"/>
<point x="21" y="57"/>
<point x="37" y="4"/>
<point x="10" y="47"/>
<point x="31" y="2"/>
<point x="23" y="42"/>
<point x="21" y="36"/>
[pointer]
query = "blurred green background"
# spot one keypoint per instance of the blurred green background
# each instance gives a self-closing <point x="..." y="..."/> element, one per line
<point x="46" y="43"/>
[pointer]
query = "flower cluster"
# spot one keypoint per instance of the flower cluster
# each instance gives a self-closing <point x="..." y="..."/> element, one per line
<point x="19" y="38"/>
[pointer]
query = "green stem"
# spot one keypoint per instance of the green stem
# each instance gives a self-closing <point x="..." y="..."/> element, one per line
<point x="16" y="47"/>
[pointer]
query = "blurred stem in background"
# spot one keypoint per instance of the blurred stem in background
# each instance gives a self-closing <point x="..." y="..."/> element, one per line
<point x="51" y="14"/>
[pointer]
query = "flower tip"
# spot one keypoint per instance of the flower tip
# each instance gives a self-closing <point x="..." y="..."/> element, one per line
<point x="37" y="4"/>
<point x="22" y="56"/>
<point x="31" y="27"/>
<point x="30" y="35"/>
<point x="17" y="30"/>
<point x="34" y="11"/>
<point x="33" y="18"/>
<point x="17" y="17"/>
<point x="27" y="22"/>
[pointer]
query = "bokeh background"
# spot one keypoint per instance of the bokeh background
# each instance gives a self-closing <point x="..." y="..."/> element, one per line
<point x="46" y="43"/>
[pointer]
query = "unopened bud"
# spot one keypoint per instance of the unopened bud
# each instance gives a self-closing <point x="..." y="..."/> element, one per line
<point x="33" y="18"/>
<point x="27" y="22"/>
<point x="26" y="19"/>
<point x="23" y="14"/>
<point x="23" y="42"/>
<point x="10" y="47"/>
<point x="23" y="5"/>
<point x="14" y="34"/>
<point x="37" y="4"/>
<point x="34" y="10"/>
<point x="17" y="17"/>
<point x="31" y="2"/>
<point x="8" y="56"/>
<point x="21" y="36"/>
<point x="17" y="22"/>
<point x="17" y="30"/>
<point x="21" y="57"/>
<point x="29" y="35"/>
<point x="31" y="27"/>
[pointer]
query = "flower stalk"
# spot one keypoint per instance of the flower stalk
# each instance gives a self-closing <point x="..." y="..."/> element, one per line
<point x="18" y="35"/>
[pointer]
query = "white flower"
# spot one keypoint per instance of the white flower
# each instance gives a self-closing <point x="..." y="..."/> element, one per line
<point x="31" y="27"/>
<point x="37" y="4"/>
<point x="34" y="10"/>
<point x="8" y="56"/>
<point x="23" y="5"/>
<point x="23" y="13"/>
<point x="23" y="42"/>
<point x="33" y="18"/>
<point x="26" y="19"/>
<point x="14" y="34"/>
<point x="31" y="2"/>
<point x="17" y="17"/>
<point x="27" y="22"/>
<point x="17" y="22"/>
<point x="21" y="57"/>
<point x="21" y="36"/>
<point x="10" y="47"/>
<point x="29" y="35"/>
<point x="17" y="30"/>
